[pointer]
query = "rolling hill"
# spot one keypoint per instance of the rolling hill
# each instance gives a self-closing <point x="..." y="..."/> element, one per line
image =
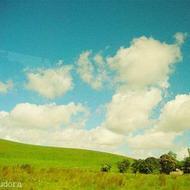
<point x="13" y="153"/>
<point x="47" y="168"/>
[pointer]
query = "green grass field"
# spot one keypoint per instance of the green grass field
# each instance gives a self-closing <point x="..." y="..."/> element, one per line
<point x="48" y="168"/>
<point x="12" y="153"/>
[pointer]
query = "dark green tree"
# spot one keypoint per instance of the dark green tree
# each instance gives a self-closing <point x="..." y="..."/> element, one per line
<point x="154" y="163"/>
<point x="172" y="154"/>
<point x="168" y="163"/>
<point x="142" y="166"/>
<point x="186" y="166"/>
<point x="180" y="164"/>
<point x="123" y="165"/>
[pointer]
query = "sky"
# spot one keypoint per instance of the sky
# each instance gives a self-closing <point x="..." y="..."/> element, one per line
<point x="104" y="75"/>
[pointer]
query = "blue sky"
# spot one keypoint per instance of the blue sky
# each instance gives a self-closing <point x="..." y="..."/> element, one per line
<point x="36" y="35"/>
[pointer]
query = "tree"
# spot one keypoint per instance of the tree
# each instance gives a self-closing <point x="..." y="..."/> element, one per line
<point x="142" y="166"/>
<point x="123" y="165"/>
<point x="180" y="164"/>
<point x="154" y="163"/>
<point x="135" y="165"/>
<point x="168" y="163"/>
<point x="172" y="154"/>
<point x="105" y="167"/>
<point x="186" y="166"/>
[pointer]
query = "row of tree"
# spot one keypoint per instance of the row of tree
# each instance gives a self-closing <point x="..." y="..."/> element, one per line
<point x="165" y="164"/>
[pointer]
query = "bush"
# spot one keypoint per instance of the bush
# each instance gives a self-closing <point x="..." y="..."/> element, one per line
<point x="154" y="164"/>
<point x="186" y="167"/>
<point x="180" y="164"/>
<point x="123" y="165"/>
<point x="105" y="167"/>
<point x="168" y="163"/>
<point x="142" y="166"/>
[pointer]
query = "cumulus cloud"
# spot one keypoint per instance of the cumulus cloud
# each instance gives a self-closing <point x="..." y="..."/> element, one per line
<point x="173" y="122"/>
<point x="147" y="62"/>
<point x="152" y="141"/>
<point x="142" y="71"/>
<point x="182" y="153"/>
<point x="50" y="83"/>
<point x="131" y="110"/>
<point x="155" y="143"/>
<point x="92" y="70"/>
<point x="55" y="125"/>
<point x="50" y="116"/>
<point x="180" y="37"/>
<point x="43" y="129"/>
<point x="5" y="86"/>
<point x="106" y="137"/>
<point x="175" y="115"/>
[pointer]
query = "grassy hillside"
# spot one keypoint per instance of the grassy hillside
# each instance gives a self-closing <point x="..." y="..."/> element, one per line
<point x="12" y="153"/>
<point x="47" y="168"/>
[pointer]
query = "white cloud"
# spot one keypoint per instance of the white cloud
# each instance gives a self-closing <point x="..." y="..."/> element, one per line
<point x="131" y="110"/>
<point x="173" y="121"/>
<point x="142" y="71"/>
<point x="106" y="137"/>
<point x="182" y="153"/>
<point x="155" y="143"/>
<point x="180" y="37"/>
<point x="50" y="83"/>
<point x="5" y="87"/>
<point x="50" y="116"/>
<point x="92" y="70"/>
<point x="175" y="116"/>
<point x="152" y="141"/>
<point x="147" y="62"/>
<point x="55" y="125"/>
<point x="41" y="129"/>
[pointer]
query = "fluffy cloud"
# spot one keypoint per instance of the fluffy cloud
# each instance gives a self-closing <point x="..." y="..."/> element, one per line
<point x="106" y="137"/>
<point x="130" y="110"/>
<point x="152" y="141"/>
<point x="173" y="121"/>
<point x="142" y="72"/>
<point x="147" y="62"/>
<point x="41" y="128"/>
<point x="180" y="37"/>
<point x="175" y="116"/>
<point x="50" y="116"/>
<point x="50" y="83"/>
<point x="155" y="143"/>
<point x="5" y="87"/>
<point x="182" y="153"/>
<point x="55" y="125"/>
<point x="92" y="70"/>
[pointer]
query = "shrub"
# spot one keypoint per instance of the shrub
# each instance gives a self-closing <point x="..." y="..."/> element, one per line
<point x="168" y="163"/>
<point x="123" y="165"/>
<point x="154" y="164"/>
<point x="105" y="167"/>
<point x="180" y="164"/>
<point x="186" y="167"/>
<point x="142" y="166"/>
<point x="134" y="166"/>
